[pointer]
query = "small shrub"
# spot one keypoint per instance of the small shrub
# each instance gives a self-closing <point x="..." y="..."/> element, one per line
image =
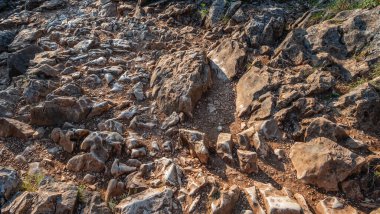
<point x="31" y="183"/>
<point x="203" y="11"/>
<point x="80" y="195"/>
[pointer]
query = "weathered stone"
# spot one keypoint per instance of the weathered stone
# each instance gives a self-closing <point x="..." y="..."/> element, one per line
<point x="215" y="13"/>
<point x="178" y="88"/>
<point x="114" y="189"/>
<point x="9" y="182"/>
<point x="50" y="198"/>
<point x="361" y="107"/>
<point x="247" y="161"/>
<point x="6" y="38"/>
<point x="14" y="128"/>
<point x="251" y="86"/>
<point x="152" y="201"/>
<point x="227" y="201"/>
<point x="85" y="162"/>
<point x="18" y="62"/>
<point x="333" y="205"/>
<point x="321" y="127"/>
<point x="65" y="109"/>
<point x="277" y="201"/>
<point x="195" y="141"/>
<point x="253" y="200"/>
<point x="326" y="163"/>
<point x="224" y="147"/>
<point x="228" y="59"/>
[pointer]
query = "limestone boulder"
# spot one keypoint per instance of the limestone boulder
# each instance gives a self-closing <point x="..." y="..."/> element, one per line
<point x="324" y="163"/>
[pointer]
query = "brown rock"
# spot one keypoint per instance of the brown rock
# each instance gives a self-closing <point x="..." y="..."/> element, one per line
<point x="196" y="141"/>
<point x="324" y="163"/>
<point x="14" y="128"/>
<point x="178" y="88"/>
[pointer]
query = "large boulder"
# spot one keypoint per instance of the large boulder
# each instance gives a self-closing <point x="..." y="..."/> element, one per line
<point x="179" y="80"/>
<point x="151" y="201"/>
<point x="9" y="182"/>
<point x="66" y="109"/>
<point x="332" y="43"/>
<point x="228" y="59"/>
<point x="15" y="128"/>
<point x="324" y="163"/>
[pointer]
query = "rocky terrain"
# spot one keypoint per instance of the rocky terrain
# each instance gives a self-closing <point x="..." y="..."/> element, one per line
<point x="212" y="106"/>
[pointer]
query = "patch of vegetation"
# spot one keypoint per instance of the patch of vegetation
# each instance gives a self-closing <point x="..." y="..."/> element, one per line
<point x="377" y="174"/>
<point x="375" y="72"/>
<point x="340" y="5"/>
<point x="112" y="204"/>
<point x="80" y="194"/>
<point x="204" y="10"/>
<point x="31" y="183"/>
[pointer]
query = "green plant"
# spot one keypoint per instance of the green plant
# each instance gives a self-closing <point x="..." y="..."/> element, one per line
<point x="203" y="11"/>
<point x="112" y="204"/>
<point x="375" y="71"/>
<point x="377" y="174"/>
<point x="368" y="3"/>
<point x="80" y="194"/>
<point x="31" y="183"/>
<point x="317" y="16"/>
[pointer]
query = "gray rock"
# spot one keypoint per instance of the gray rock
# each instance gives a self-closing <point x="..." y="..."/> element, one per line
<point x="118" y="168"/>
<point x="6" y="37"/>
<point x="66" y="109"/>
<point x="216" y="13"/>
<point x="18" y="62"/>
<point x="9" y="182"/>
<point x="152" y="201"/>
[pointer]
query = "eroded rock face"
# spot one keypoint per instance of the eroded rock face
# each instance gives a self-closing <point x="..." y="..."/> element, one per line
<point x="152" y="201"/>
<point x="65" y="109"/>
<point x="9" y="182"/>
<point x="228" y="59"/>
<point x="326" y="163"/>
<point x="361" y="107"/>
<point x="18" y="62"/>
<point x="179" y="80"/>
<point x="15" y="128"/>
<point x="50" y="198"/>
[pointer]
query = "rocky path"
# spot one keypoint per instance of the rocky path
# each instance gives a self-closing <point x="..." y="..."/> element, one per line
<point x="189" y="107"/>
